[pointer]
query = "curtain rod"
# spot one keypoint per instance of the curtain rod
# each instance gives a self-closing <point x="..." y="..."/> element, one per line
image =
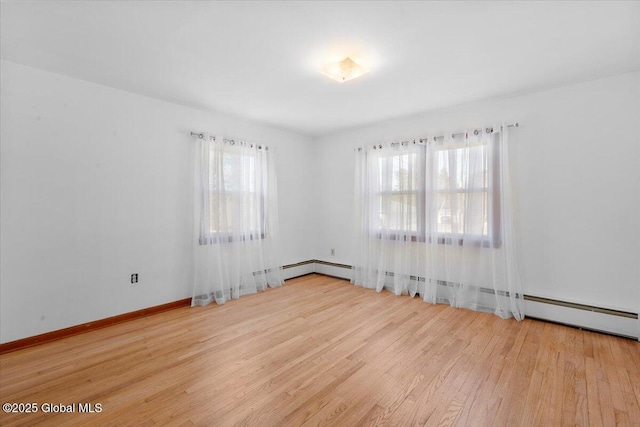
<point x="200" y="135"/>
<point x="453" y="135"/>
<point x="488" y="130"/>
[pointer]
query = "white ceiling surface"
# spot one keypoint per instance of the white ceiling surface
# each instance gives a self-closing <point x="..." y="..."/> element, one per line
<point x="260" y="60"/>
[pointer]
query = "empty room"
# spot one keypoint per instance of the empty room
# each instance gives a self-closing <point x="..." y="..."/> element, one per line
<point x="308" y="213"/>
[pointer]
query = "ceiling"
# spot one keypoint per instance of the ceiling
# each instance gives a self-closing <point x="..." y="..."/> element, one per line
<point x="261" y="60"/>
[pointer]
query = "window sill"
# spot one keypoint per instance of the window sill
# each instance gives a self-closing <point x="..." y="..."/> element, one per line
<point x="228" y="238"/>
<point x="474" y="241"/>
<point x="401" y="237"/>
<point x="444" y="239"/>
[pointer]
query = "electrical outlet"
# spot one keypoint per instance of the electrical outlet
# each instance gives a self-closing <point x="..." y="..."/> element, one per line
<point x="333" y="252"/>
<point x="134" y="278"/>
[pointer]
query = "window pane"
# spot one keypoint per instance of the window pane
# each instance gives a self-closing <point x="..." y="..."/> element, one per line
<point x="398" y="212"/>
<point x="398" y="172"/>
<point x="473" y="213"/>
<point x="251" y="185"/>
<point x="222" y="212"/>
<point x="229" y="165"/>
<point x="463" y="213"/>
<point x="250" y="213"/>
<point x="472" y="167"/>
<point x="442" y="165"/>
<point x="239" y="212"/>
<point x="462" y="168"/>
<point x="443" y="213"/>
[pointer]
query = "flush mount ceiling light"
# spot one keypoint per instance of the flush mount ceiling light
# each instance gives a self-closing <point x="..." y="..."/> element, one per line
<point x="347" y="69"/>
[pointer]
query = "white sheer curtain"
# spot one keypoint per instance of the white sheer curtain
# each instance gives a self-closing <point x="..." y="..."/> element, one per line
<point x="236" y="236"/>
<point x="390" y="190"/>
<point x="436" y="219"/>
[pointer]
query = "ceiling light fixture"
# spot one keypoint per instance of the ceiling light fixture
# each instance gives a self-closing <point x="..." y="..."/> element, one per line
<point x="347" y="69"/>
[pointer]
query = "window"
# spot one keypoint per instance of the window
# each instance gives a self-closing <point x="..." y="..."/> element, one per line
<point x="400" y="197"/>
<point x="464" y="198"/>
<point x="237" y="235"/>
<point x="236" y="199"/>
<point x="447" y="193"/>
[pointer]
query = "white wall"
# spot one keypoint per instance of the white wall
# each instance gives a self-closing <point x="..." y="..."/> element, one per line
<point x="95" y="186"/>
<point x="576" y="159"/>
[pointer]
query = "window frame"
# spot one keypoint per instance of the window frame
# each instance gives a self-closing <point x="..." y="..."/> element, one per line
<point x="493" y="238"/>
<point x="426" y="199"/>
<point x="406" y="235"/>
<point x="210" y="236"/>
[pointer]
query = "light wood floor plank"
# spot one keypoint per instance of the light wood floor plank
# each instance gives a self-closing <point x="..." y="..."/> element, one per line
<point x="319" y="351"/>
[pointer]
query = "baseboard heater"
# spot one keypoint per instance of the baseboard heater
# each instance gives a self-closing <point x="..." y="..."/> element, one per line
<point x="599" y="319"/>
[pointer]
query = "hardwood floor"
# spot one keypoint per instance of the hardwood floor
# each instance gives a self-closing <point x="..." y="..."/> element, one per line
<point x="319" y="351"/>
